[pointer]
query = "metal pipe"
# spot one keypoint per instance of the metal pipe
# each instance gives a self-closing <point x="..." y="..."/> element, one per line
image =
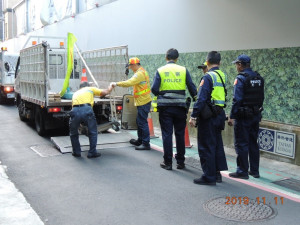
<point x="88" y="69"/>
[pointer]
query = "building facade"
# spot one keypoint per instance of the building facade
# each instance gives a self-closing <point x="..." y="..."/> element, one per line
<point x="269" y="33"/>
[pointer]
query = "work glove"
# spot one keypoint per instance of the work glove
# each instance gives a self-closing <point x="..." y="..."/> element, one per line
<point x="113" y="84"/>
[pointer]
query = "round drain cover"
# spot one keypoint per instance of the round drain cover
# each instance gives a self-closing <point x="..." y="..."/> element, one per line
<point x="239" y="212"/>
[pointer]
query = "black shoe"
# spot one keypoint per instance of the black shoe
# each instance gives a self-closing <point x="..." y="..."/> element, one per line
<point x="255" y="175"/>
<point x="218" y="177"/>
<point x="96" y="155"/>
<point x="135" y="142"/>
<point x="143" y="147"/>
<point x="180" y="166"/>
<point x="239" y="176"/>
<point x="166" y="166"/>
<point x="201" y="181"/>
<point x="76" y="155"/>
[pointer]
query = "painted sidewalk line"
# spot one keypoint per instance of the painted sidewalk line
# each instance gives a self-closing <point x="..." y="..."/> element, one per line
<point x="280" y="191"/>
<point x="267" y="175"/>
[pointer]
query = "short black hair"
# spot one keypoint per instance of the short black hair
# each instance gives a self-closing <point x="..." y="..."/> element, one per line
<point x="84" y="84"/>
<point x="214" y="57"/>
<point x="172" y="54"/>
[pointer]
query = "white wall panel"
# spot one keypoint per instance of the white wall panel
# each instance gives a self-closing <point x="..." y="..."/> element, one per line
<point x="153" y="26"/>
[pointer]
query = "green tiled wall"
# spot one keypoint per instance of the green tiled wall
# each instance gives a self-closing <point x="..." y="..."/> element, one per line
<point x="280" y="68"/>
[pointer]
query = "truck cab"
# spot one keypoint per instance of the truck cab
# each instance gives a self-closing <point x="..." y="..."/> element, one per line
<point x="8" y="62"/>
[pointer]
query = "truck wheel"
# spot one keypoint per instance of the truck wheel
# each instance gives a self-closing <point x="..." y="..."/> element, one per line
<point x="1" y="99"/>
<point x="21" y="110"/>
<point x="39" y="120"/>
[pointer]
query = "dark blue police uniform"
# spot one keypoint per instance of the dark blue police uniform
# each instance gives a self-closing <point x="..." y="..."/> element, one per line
<point x="246" y="128"/>
<point x="173" y="116"/>
<point x="210" y="143"/>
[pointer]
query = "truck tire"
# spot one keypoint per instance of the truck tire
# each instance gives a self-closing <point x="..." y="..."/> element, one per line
<point x="39" y="121"/>
<point x="1" y="99"/>
<point x="20" y="105"/>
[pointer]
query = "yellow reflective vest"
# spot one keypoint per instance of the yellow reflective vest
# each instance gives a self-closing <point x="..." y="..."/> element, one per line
<point x="141" y="86"/>
<point x="173" y="78"/>
<point x="218" y="93"/>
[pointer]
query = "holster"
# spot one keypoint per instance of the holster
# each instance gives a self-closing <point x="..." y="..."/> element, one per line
<point x="247" y="112"/>
<point x="210" y="110"/>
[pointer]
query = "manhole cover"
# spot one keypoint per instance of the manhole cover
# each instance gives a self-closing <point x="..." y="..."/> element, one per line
<point x="251" y="212"/>
<point x="45" y="150"/>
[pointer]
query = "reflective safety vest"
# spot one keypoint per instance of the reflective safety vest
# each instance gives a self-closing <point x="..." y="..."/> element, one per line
<point x="173" y="78"/>
<point x="218" y="96"/>
<point x="145" y="85"/>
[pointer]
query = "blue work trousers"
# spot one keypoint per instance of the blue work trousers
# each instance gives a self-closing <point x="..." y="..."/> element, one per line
<point x="173" y="118"/>
<point x="142" y="123"/>
<point x="245" y="142"/>
<point x="210" y="146"/>
<point x="83" y="114"/>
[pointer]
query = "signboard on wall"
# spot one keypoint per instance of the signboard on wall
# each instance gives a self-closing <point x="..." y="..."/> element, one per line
<point x="277" y="142"/>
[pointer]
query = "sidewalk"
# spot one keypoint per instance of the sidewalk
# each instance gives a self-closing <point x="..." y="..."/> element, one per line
<point x="270" y="170"/>
<point x="13" y="206"/>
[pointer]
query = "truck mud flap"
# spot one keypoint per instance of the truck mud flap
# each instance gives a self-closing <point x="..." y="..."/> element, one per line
<point x="105" y="141"/>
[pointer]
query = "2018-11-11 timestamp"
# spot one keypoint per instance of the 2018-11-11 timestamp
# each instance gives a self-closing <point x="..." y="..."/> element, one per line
<point x="259" y="200"/>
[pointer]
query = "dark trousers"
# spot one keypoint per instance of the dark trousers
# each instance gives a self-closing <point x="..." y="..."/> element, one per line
<point x="245" y="142"/>
<point x="210" y="146"/>
<point x="84" y="114"/>
<point x="173" y="118"/>
<point x="142" y="123"/>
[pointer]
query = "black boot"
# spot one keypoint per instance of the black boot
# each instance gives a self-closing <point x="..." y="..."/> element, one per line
<point x="143" y="147"/>
<point x="218" y="177"/>
<point x="135" y="142"/>
<point x="166" y="166"/>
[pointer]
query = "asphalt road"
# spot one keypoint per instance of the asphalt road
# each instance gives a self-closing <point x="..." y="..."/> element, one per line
<point x="123" y="186"/>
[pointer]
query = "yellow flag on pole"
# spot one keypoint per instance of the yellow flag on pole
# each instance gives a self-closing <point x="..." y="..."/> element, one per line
<point x="70" y="61"/>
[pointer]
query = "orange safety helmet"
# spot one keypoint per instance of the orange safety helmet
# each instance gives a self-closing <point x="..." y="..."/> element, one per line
<point x="133" y="60"/>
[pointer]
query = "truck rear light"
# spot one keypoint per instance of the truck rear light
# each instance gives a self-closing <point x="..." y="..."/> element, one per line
<point x="8" y="89"/>
<point x="119" y="107"/>
<point x="54" y="110"/>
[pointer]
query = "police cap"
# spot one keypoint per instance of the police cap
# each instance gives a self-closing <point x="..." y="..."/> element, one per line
<point x="202" y="66"/>
<point x="242" y="59"/>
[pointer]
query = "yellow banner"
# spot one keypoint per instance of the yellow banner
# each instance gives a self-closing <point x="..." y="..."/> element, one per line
<point x="70" y="61"/>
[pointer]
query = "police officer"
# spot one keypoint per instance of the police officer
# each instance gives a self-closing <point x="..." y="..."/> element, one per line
<point x="142" y="99"/>
<point x="169" y="86"/>
<point x="203" y="67"/>
<point x="245" y="114"/>
<point x="211" y="98"/>
<point x="82" y="111"/>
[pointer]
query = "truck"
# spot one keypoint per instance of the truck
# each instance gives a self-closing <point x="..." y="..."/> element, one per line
<point x="8" y="62"/>
<point x="40" y="76"/>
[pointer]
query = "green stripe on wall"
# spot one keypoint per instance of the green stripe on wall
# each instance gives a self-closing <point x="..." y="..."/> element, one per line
<point x="280" y="68"/>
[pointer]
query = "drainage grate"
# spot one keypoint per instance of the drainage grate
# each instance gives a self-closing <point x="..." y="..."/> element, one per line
<point x="252" y="212"/>
<point x="45" y="150"/>
<point x="290" y="183"/>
